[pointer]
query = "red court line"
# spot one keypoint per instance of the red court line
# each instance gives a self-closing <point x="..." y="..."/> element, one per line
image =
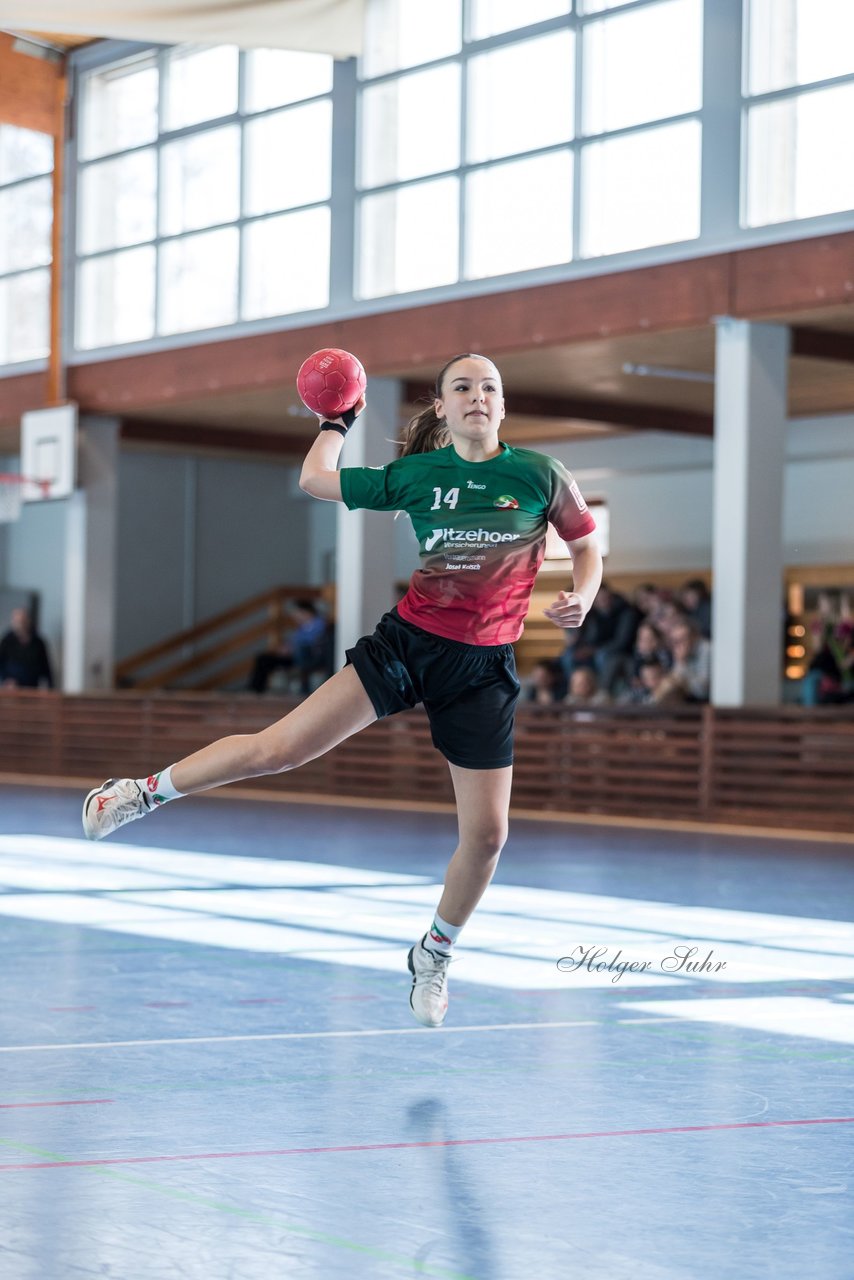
<point x="76" y="1102"/>
<point x="405" y="1146"/>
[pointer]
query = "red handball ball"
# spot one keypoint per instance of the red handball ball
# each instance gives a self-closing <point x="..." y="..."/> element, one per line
<point x="330" y="382"/>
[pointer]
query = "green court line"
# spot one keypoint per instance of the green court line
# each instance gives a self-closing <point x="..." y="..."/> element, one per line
<point x="253" y="1215"/>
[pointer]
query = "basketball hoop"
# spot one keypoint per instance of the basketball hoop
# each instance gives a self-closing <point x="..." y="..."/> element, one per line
<point x="12" y="495"/>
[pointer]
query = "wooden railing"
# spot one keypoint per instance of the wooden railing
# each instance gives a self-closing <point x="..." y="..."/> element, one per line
<point x="791" y="768"/>
<point x="198" y="657"/>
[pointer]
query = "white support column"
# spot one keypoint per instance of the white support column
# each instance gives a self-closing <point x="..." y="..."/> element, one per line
<point x="747" y="553"/>
<point x="364" y="560"/>
<point x="90" y="560"/>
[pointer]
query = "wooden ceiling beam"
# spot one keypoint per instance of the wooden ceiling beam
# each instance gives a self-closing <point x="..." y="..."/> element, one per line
<point x="823" y="344"/>
<point x="156" y="431"/>
<point x="615" y="413"/>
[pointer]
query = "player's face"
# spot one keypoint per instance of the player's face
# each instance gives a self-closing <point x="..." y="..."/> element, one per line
<point x="472" y="401"/>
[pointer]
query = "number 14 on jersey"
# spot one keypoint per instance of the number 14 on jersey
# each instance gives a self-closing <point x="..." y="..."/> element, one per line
<point x="450" y="499"/>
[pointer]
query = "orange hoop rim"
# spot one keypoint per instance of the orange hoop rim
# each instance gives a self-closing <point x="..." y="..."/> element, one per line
<point x="11" y="478"/>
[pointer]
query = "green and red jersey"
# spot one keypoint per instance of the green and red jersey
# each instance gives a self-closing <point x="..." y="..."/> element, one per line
<point x="481" y="528"/>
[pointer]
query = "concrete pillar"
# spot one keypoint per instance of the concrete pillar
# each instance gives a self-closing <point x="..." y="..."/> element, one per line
<point x="91" y="531"/>
<point x="747" y="552"/>
<point x="364" y="560"/>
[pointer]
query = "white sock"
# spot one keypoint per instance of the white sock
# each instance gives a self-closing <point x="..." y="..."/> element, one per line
<point x="158" y="787"/>
<point x="442" y="936"/>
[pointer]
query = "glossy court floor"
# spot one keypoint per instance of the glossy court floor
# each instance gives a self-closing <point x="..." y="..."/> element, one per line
<point x="208" y="1067"/>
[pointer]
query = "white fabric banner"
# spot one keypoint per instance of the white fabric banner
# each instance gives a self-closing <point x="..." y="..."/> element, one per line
<point x="314" y="26"/>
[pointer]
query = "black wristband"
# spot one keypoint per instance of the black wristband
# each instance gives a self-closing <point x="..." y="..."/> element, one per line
<point x="333" y="426"/>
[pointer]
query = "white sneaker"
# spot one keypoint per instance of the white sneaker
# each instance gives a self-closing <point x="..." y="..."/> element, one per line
<point x="111" y="805"/>
<point x="429" y="995"/>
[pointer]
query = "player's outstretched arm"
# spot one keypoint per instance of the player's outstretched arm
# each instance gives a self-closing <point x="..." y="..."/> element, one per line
<point x="319" y="475"/>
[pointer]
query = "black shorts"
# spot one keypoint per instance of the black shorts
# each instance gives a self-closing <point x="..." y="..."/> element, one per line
<point x="469" y="691"/>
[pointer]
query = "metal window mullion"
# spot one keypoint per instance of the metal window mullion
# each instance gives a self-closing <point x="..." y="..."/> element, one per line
<point x="515" y="34"/>
<point x="720" y="118"/>
<point x="623" y="8"/>
<point x="473" y="166"/>
<point x="24" y="271"/>
<point x="575" y="144"/>
<point x="776" y="95"/>
<point x="71" y="207"/>
<point x="343" y="190"/>
<point x="474" y="48"/>
<point x="241" y="195"/>
<point x="20" y="182"/>
<point x="462" y="168"/>
<point x="162" y="60"/>
<point x="643" y="127"/>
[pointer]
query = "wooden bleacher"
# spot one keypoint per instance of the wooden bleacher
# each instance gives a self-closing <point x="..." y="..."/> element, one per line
<point x="783" y="768"/>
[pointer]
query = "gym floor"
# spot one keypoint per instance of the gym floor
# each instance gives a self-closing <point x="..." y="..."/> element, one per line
<point x="208" y="1066"/>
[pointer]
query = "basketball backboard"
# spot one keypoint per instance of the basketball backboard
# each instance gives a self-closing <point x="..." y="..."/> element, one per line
<point x="49" y="451"/>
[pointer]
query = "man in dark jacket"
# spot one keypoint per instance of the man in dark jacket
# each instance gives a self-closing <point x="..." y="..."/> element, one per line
<point x="24" y="662"/>
<point x="613" y="627"/>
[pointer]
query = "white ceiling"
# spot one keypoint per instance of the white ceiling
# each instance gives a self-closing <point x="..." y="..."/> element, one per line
<point x="315" y="26"/>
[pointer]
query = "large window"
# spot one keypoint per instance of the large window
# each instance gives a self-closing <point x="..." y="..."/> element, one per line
<point x="515" y="144"/>
<point x="799" y="85"/>
<point x="204" y="181"/>
<point x="475" y="140"/>
<point x="26" y="216"/>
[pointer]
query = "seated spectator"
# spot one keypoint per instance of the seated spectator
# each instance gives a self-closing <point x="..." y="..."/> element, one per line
<point x="584" y="690"/>
<point x="307" y="649"/>
<point x="830" y="678"/>
<point x="649" y="644"/>
<point x="24" y="661"/>
<point x="579" y="651"/>
<point x="697" y="603"/>
<point x="613" y="626"/>
<point x="647" y="598"/>
<point x="547" y="683"/>
<point x="668" y="615"/>
<point x="656" y="686"/>
<point x="692" y="661"/>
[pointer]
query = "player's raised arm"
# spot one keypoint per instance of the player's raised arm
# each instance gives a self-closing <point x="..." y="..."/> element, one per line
<point x="319" y="475"/>
<point x="331" y="383"/>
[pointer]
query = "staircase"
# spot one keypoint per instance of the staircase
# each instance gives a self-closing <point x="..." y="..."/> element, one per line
<point x="218" y="653"/>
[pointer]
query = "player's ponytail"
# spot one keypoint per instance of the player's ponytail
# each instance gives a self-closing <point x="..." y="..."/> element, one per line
<point x="425" y="431"/>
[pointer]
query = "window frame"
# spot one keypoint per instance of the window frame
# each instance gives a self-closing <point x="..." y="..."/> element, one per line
<point x="722" y="118"/>
<point x="31" y="363"/>
<point x="747" y="103"/>
<point x="116" y="53"/>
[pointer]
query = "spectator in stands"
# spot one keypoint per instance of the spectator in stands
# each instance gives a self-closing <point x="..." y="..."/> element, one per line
<point x="24" y="661"/>
<point x="613" y="626"/>
<point x="668" y="615"/>
<point x="697" y="603"/>
<point x="656" y="686"/>
<point x="547" y="683"/>
<point x="647" y="598"/>
<point x="579" y="651"/>
<point x="584" y="690"/>
<point x="307" y="649"/>
<point x="830" y="678"/>
<point x="692" y="661"/>
<point x="649" y="644"/>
